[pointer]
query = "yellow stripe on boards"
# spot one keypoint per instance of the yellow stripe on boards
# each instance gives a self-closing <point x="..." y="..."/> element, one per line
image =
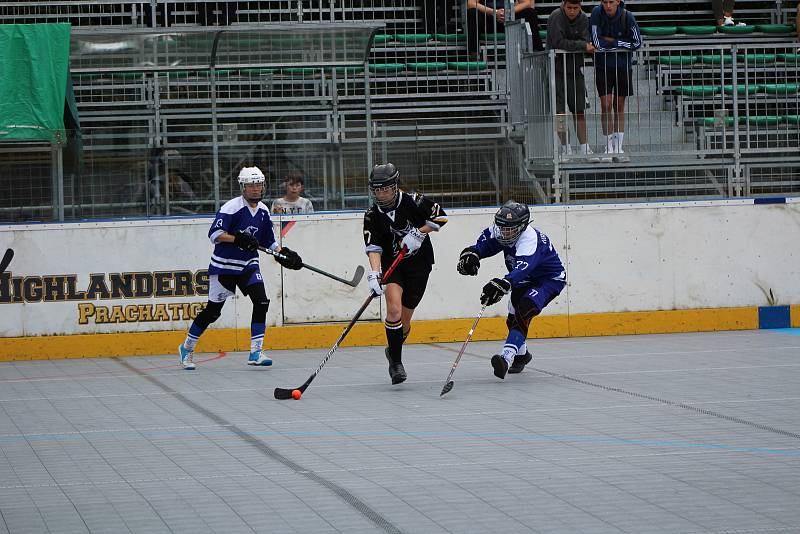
<point x="323" y="336"/>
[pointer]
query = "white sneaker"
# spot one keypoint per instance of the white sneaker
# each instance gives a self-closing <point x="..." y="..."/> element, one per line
<point x="566" y="150"/>
<point x="728" y="21"/>
<point x="187" y="357"/>
<point x="259" y="358"/>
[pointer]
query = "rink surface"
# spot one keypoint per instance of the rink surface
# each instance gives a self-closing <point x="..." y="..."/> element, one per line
<point x="684" y="433"/>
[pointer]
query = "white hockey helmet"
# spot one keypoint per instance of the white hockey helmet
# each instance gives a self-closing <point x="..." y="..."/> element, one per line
<point x="251" y="175"/>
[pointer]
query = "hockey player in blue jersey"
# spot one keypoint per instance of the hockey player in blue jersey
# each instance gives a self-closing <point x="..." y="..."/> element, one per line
<point x="535" y="277"/>
<point x="240" y="226"/>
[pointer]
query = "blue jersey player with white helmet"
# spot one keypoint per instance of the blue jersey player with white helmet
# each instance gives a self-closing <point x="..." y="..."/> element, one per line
<point x="239" y="228"/>
<point x="535" y="277"/>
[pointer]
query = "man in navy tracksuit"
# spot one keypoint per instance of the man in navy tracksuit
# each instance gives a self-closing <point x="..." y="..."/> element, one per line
<point x="615" y="35"/>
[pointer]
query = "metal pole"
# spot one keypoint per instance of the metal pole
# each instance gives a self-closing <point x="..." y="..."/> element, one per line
<point x="214" y="135"/>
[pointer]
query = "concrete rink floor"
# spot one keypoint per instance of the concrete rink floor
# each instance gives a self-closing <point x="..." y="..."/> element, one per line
<point x="680" y="433"/>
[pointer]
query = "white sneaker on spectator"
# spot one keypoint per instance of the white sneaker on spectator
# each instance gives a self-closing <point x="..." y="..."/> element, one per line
<point x="728" y="21"/>
<point x="566" y="150"/>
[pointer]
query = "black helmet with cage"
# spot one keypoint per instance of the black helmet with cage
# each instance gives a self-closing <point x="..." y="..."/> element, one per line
<point x="511" y="220"/>
<point x="382" y="178"/>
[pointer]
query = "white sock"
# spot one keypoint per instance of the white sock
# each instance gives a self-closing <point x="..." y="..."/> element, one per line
<point x="509" y="351"/>
<point x="620" y="136"/>
<point x="610" y="144"/>
<point x="190" y="343"/>
<point x="585" y="149"/>
<point x="256" y="344"/>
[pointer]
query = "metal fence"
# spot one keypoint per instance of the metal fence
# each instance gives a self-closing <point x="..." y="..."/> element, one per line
<point x="705" y="121"/>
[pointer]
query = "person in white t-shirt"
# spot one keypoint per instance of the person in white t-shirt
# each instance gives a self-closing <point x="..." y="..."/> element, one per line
<point x="292" y="202"/>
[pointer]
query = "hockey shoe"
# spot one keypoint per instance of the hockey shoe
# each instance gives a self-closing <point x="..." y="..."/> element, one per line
<point x="187" y="357"/>
<point x="396" y="370"/>
<point x="259" y="358"/>
<point x="500" y="366"/>
<point x="519" y="363"/>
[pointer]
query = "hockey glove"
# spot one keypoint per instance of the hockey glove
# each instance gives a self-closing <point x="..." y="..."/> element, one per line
<point x="469" y="262"/>
<point x="413" y="240"/>
<point x="374" y="281"/>
<point x="495" y="290"/>
<point x="245" y="241"/>
<point x="292" y="260"/>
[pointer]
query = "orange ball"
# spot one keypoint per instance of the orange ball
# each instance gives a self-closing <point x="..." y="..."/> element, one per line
<point x="296" y="394"/>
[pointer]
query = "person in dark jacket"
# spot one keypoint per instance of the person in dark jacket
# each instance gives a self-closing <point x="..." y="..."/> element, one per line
<point x="568" y="30"/>
<point x="615" y="35"/>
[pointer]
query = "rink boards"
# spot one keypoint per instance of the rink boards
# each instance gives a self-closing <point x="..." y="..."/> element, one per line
<point x="132" y="287"/>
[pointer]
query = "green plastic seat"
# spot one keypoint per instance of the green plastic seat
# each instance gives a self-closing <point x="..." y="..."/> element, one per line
<point x="781" y="88"/>
<point x="659" y="30"/>
<point x="742" y="89"/>
<point x="381" y="38"/>
<point x="413" y="37"/>
<point x="137" y="74"/>
<point x="386" y="67"/>
<point x="764" y="120"/>
<point x="789" y="58"/>
<point x="791" y="119"/>
<point x="305" y="71"/>
<point x="467" y="65"/>
<point x="747" y="28"/>
<point x="716" y="59"/>
<point x="775" y="28"/>
<point x="677" y="60"/>
<point x="451" y="37"/>
<point x="543" y="34"/>
<point x="711" y="122"/>
<point x="428" y="66"/>
<point x="697" y="30"/>
<point x="257" y="71"/>
<point x="493" y="37"/>
<point x="698" y="90"/>
<point x="760" y="59"/>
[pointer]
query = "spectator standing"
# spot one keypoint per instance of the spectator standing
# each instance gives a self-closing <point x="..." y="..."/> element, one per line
<point x="489" y="16"/>
<point x="568" y="30"/>
<point x="292" y="202"/>
<point x="615" y="35"/>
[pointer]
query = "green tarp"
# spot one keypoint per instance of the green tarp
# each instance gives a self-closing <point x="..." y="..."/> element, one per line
<point x="34" y="68"/>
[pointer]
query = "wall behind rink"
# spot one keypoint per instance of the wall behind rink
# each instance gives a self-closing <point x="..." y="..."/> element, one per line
<point x="677" y="266"/>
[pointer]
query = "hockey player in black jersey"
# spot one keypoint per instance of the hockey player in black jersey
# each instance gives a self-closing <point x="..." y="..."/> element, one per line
<point x="396" y="220"/>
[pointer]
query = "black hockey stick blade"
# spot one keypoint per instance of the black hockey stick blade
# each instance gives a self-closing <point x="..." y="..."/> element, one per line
<point x="7" y="257"/>
<point x="285" y="394"/>
<point x="446" y="389"/>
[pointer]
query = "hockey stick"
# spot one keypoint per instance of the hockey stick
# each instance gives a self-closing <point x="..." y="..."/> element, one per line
<point x="283" y="394"/>
<point x="352" y="283"/>
<point x="7" y="257"/>
<point x="448" y="385"/>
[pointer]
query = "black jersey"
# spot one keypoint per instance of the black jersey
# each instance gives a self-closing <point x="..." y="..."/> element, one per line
<point x="384" y="229"/>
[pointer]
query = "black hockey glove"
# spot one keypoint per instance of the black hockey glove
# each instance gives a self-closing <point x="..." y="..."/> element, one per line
<point x="245" y="241"/>
<point x="469" y="262"/>
<point x="292" y="260"/>
<point x="495" y="290"/>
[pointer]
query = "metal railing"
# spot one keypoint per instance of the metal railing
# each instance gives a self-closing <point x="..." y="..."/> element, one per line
<point x="696" y="122"/>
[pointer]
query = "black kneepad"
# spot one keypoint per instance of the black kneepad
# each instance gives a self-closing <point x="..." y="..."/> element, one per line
<point x="210" y="313"/>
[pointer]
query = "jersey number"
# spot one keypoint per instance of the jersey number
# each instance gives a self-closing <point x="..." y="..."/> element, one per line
<point x="367" y="237"/>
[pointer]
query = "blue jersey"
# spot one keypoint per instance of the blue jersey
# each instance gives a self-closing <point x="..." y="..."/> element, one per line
<point x="530" y="260"/>
<point x="235" y="215"/>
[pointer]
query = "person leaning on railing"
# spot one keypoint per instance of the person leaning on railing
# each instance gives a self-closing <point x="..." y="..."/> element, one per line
<point x="615" y="35"/>
<point x="568" y="30"/>
<point x="489" y="16"/>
